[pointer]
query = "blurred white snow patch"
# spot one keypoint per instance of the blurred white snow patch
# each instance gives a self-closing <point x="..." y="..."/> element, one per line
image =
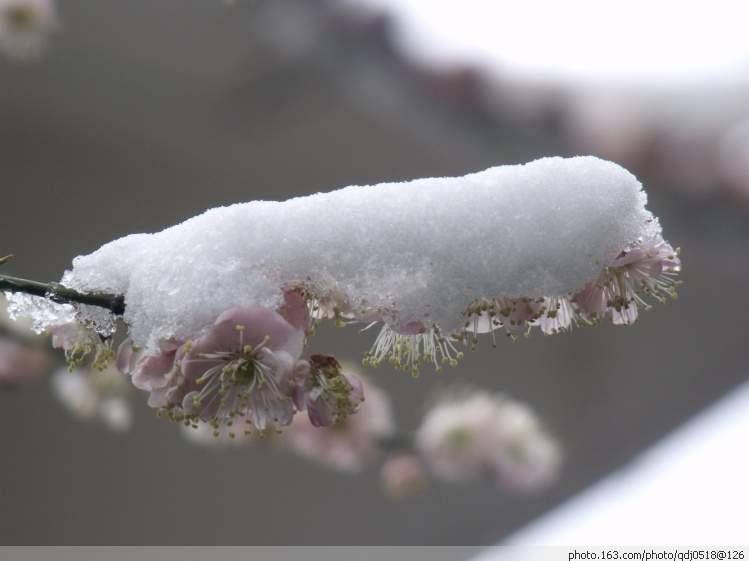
<point x="650" y="85"/>
<point x="689" y="489"/>
<point x="580" y="40"/>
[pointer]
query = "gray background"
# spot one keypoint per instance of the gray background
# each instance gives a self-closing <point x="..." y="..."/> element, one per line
<point x="147" y="113"/>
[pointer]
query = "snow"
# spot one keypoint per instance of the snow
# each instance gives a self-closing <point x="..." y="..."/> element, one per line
<point x="690" y="489"/>
<point x="414" y="251"/>
<point x="583" y="41"/>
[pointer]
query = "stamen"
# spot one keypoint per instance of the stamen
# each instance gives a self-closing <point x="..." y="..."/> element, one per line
<point x="407" y="351"/>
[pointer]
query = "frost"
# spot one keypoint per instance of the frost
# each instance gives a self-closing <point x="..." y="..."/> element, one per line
<point x="100" y="320"/>
<point x="414" y="252"/>
<point x="43" y="312"/>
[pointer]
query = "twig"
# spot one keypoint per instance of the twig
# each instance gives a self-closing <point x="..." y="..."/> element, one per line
<point x="60" y="294"/>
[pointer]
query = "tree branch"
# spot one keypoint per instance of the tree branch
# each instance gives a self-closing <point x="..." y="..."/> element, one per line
<point x="115" y="303"/>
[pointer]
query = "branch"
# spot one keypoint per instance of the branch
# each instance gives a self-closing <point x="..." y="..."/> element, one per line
<point x="60" y="294"/>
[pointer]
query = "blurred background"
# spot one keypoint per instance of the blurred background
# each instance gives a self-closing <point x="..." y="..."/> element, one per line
<point x="140" y="115"/>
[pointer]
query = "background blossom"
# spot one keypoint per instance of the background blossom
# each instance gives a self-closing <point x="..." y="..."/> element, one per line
<point x="25" y="26"/>
<point x="351" y="444"/>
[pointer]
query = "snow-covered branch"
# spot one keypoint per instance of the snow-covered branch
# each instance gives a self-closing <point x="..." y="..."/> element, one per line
<point x="218" y="308"/>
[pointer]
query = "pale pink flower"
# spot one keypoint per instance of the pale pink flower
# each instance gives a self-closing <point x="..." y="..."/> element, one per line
<point x="513" y="315"/>
<point x="295" y="310"/>
<point x="557" y="315"/>
<point x="156" y="374"/>
<point x="243" y="367"/>
<point x="328" y="394"/>
<point x="646" y="269"/>
<point x="464" y="438"/>
<point x="349" y="445"/>
<point x="527" y="460"/>
<point x="455" y="436"/>
<point x="25" y="26"/>
<point x="148" y="372"/>
<point x="20" y="363"/>
<point x="402" y="473"/>
<point x="408" y="351"/>
<point x="336" y="305"/>
<point x="91" y="394"/>
<point x="79" y="341"/>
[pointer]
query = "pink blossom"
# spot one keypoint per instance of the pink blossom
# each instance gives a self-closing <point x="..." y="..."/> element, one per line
<point x="526" y="460"/>
<point x="25" y="26"/>
<point x="465" y="438"/>
<point x="243" y="367"/>
<point x="455" y="436"/>
<point x="349" y="445"/>
<point x="20" y="363"/>
<point x="409" y="351"/>
<point x="79" y="341"/>
<point x="295" y="310"/>
<point x="91" y="394"/>
<point x="557" y="314"/>
<point x="148" y="372"/>
<point x="646" y="269"/>
<point x="337" y="306"/>
<point x="327" y="393"/>
<point x="402" y="473"/>
<point x="157" y="374"/>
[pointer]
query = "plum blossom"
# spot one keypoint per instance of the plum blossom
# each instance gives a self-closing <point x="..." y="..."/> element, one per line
<point x="646" y="269"/>
<point x="244" y="373"/>
<point x="464" y="438"/>
<point x="327" y="393"/>
<point x="92" y="394"/>
<point x="566" y="242"/>
<point x="243" y="367"/>
<point x="22" y="357"/>
<point x="19" y="362"/>
<point x="528" y="459"/>
<point x="351" y="444"/>
<point x="454" y="437"/>
<point x="78" y="341"/>
<point x="155" y="374"/>
<point x="416" y="345"/>
<point x="336" y="306"/>
<point x="402" y="473"/>
<point x="25" y="26"/>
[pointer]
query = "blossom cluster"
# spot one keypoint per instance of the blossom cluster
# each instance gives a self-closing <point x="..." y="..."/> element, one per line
<point x="25" y="26"/>
<point x="477" y="434"/>
<point x="232" y="357"/>
<point x="245" y="376"/>
<point x="464" y="437"/>
<point x="91" y="394"/>
<point x="244" y="372"/>
<point x="646" y="269"/>
<point x="576" y="246"/>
